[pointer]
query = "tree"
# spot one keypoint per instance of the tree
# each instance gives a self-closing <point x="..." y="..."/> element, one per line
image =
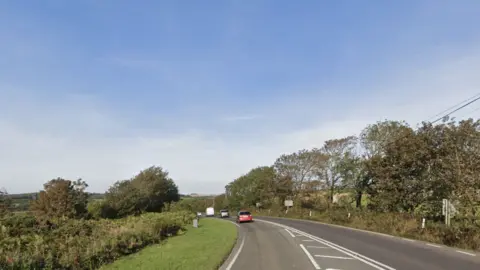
<point x="336" y="151"/>
<point x="401" y="175"/>
<point x="61" y="199"/>
<point x="374" y="141"/>
<point x="124" y="199"/>
<point x="456" y="166"/>
<point x="353" y="173"/>
<point x="5" y="202"/>
<point x="300" y="168"/>
<point x="156" y="187"/>
<point x="375" y="138"/>
<point x="257" y="186"/>
<point x="148" y="191"/>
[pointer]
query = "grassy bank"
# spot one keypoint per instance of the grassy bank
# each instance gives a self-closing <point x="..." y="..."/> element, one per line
<point x="203" y="248"/>
<point x="403" y="225"/>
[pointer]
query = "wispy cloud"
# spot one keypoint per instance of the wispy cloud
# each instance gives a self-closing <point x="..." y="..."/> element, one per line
<point x="209" y="110"/>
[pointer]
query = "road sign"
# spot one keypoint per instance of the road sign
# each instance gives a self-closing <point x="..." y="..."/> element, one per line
<point x="288" y="203"/>
<point x="448" y="210"/>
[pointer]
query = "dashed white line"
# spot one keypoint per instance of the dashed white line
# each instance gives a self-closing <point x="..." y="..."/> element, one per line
<point x="432" y="245"/>
<point x="466" y="253"/>
<point x="236" y="255"/>
<point x="289" y="232"/>
<point x="360" y="257"/>
<point x="310" y="257"/>
<point x="334" y="257"/>
<point x="307" y="240"/>
<point x="409" y="240"/>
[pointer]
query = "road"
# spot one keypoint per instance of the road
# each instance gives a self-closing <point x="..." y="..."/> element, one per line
<point x="284" y="244"/>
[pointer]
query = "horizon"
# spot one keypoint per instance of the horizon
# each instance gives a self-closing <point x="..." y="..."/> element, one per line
<point x="101" y="90"/>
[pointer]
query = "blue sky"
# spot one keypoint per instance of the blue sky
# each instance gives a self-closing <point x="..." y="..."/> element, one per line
<point x="209" y="89"/>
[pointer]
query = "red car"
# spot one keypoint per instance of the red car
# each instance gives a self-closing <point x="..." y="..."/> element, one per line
<point x="244" y="216"/>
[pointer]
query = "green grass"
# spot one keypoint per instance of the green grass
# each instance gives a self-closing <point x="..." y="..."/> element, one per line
<point x="203" y="248"/>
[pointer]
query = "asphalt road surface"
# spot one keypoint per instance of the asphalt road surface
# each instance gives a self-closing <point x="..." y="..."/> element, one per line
<point x="284" y="244"/>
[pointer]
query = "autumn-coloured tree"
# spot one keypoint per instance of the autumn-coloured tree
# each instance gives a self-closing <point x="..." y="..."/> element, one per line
<point x="61" y="199"/>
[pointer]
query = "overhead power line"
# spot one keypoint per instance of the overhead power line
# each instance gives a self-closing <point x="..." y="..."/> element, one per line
<point x="458" y="104"/>
<point x="456" y="110"/>
<point x="475" y="98"/>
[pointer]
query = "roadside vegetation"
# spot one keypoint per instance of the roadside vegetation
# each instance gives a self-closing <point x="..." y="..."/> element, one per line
<point x="65" y="229"/>
<point x="386" y="179"/>
<point x="204" y="248"/>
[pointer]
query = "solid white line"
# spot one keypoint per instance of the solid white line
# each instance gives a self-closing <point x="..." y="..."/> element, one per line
<point x="409" y="240"/>
<point x="307" y="240"/>
<point x="236" y="255"/>
<point x="360" y="257"/>
<point x="235" y="224"/>
<point x="289" y="232"/>
<point x="432" y="245"/>
<point x="312" y="260"/>
<point x="316" y="247"/>
<point x="332" y="269"/>
<point x="466" y="253"/>
<point x="334" y="257"/>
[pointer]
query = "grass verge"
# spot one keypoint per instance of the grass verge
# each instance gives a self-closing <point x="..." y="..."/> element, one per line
<point x="203" y="248"/>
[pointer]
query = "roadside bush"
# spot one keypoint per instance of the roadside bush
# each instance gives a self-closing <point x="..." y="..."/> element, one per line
<point x="18" y="224"/>
<point x="88" y="244"/>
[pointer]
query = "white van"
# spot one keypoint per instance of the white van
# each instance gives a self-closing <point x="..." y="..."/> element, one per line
<point x="210" y="212"/>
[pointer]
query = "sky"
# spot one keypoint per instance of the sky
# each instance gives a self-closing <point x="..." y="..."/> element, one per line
<point x="101" y="89"/>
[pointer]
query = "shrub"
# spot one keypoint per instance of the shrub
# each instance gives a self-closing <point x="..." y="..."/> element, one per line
<point x="87" y="244"/>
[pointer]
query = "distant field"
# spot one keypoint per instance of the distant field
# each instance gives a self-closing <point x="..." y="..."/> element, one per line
<point x="203" y="248"/>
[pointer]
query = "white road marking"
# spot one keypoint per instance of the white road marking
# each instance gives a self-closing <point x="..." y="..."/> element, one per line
<point x="310" y="257"/>
<point x="289" y="232"/>
<point x="236" y="255"/>
<point x="334" y="257"/>
<point x="466" y="253"/>
<point x="432" y="245"/>
<point x="316" y="247"/>
<point x="409" y="240"/>
<point x="235" y="224"/>
<point x="360" y="257"/>
<point x="332" y="269"/>
<point x="307" y="240"/>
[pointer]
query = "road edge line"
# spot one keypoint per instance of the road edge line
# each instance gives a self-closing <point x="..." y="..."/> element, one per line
<point x="472" y="253"/>
<point x="376" y="264"/>
<point x="289" y="232"/>
<point x="236" y="250"/>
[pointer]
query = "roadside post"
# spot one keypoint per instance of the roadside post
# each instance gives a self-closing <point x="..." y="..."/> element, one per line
<point x="195" y="222"/>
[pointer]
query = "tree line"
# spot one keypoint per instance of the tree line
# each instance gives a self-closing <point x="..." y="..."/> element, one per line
<point x="61" y="199"/>
<point x="388" y="167"/>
